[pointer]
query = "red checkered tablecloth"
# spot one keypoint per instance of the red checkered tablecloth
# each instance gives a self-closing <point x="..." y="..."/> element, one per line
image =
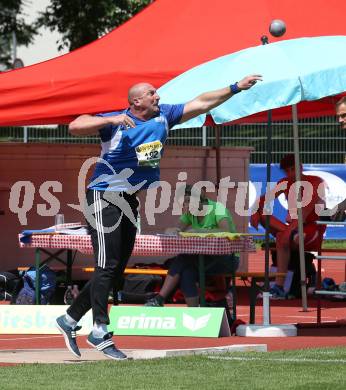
<point x="149" y="245"/>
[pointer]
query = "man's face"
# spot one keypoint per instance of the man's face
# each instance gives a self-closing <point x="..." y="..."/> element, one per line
<point x="148" y="100"/>
<point x="186" y="204"/>
<point x="341" y="115"/>
<point x="291" y="172"/>
<point x="190" y="202"/>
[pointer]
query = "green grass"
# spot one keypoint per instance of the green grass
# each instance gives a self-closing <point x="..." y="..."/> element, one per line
<point x="303" y="369"/>
<point x="339" y="244"/>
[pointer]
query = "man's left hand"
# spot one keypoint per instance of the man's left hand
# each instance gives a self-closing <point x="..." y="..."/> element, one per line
<point x="249" y="81"/>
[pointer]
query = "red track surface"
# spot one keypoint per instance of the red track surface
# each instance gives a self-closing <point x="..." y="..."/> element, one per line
<point x="281" y="311"/>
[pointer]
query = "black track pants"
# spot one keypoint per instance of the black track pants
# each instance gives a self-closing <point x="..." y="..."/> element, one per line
<point x="112" y="251"/>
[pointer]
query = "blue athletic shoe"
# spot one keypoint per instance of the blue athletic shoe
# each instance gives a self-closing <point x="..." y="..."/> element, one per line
<point x="277" y="292"/>
<point x="69" y="334"/>
<point x="106" y="346"/>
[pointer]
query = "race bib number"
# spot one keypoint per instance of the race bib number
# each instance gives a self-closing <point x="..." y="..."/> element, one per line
<point x="149" y="154"/>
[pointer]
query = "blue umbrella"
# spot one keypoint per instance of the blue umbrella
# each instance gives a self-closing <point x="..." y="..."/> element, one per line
<point x="293" y="71"/>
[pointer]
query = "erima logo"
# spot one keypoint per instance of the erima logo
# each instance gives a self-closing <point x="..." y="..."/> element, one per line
<point x="195" y="324"/>
<point x="145" y="322"/>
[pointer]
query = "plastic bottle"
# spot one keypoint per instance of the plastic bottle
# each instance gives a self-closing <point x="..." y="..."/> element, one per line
<point x="68" y="297"/>
<point x="139" y="227"/>
<point x="139" y="224"/>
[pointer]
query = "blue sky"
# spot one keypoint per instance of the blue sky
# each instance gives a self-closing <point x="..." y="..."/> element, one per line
<point x="44" y="46"/>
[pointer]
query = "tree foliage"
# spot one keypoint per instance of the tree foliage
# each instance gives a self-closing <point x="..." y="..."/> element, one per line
<point x="12" y="20"/>
<point x="83" y="21"/>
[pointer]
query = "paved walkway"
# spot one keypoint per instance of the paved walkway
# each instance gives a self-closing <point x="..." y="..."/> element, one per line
<point x="20" y="356"/>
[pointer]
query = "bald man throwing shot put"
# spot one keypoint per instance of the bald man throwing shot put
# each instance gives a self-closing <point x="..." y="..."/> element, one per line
<point x="131" y="141"/>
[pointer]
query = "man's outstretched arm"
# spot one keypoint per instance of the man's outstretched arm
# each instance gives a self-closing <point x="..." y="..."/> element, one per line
<point x="257" y="210"/>
<point x="209" y="100"/>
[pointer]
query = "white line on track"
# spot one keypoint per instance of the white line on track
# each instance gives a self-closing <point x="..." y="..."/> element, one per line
<point x="283" y="360"/>
<point x="31" y="338"/>
<point x="313" y="317"/>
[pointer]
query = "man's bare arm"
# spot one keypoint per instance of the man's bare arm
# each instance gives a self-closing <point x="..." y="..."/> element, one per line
<point x="209" y="100"/>
<point x="90" y="124"/>
<point x="257" y="210"/>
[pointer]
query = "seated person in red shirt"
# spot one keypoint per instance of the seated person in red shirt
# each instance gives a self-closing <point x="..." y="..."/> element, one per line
<point x="183" y="270"/>
<point x="286" y="234"/>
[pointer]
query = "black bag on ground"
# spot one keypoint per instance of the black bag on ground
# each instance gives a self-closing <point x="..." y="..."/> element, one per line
<point x="10" y="285"/>
<point x="139" y="288"/>
<point x="310" y="270"/>
<point x="294" y="266"/>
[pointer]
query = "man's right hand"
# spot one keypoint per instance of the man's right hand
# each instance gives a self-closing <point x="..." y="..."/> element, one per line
<point x="121" y="119"/>
<point x="90" y="124"/>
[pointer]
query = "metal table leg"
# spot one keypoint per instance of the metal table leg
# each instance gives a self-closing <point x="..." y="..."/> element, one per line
<point x="253" y="294"/>
<point x="201" y="268"/>
<point x="234" y="295"/>
<point x="38" y="276"/>
<point x="318" y="286"/>
<point x="69" y="262"/>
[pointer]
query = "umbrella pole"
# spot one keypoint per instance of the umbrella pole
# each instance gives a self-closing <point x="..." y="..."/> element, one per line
<point x="266" y="295"/>
<point x="218" y="157"/>
<point x="300" y="212"/>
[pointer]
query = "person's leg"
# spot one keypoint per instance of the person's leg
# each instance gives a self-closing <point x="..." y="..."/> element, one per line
<point x="313" y="237"/>
<point x="82" y="304"/>
<point x="106" y="251"/>
<point x="283" y="251"/>
<point x="192" y="301"/>
<point x="174" y="273"/>
<point x="67" y="324"/>
<point x="189" y="282"/>
<point x="129" y="230"/>
<point x="113" y="252"/>
<point x="226" y="264"/>
<point x="171" y="281"/>
<point x="287" y="241"/>
<point x="214" y="265"/>
<point x="222" y="264"/>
